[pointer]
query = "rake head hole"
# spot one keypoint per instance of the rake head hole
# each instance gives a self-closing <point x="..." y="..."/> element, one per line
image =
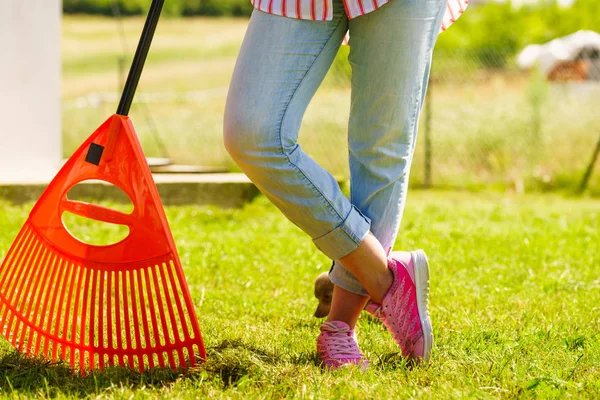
<point x="94" y="232"/>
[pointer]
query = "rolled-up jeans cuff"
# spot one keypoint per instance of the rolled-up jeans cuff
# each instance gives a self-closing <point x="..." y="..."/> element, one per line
<point x="340" y="276"/>
<point x="345" y="237"/>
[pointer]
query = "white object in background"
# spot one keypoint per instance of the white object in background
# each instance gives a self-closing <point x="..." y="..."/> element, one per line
<point x="559" y="50"/>
<point x="30" y="128"/>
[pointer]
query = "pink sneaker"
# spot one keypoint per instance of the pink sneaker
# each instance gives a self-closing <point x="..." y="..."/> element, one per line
<point x="403" y="309"/>
<point x="337" y="346"/>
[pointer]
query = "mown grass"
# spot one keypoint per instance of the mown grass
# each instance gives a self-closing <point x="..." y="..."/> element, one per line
<point x="496" y="129"/>
<point x="515" y="306"/>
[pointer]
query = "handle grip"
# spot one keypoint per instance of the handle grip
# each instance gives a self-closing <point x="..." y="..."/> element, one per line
<point x="98" y="213"/>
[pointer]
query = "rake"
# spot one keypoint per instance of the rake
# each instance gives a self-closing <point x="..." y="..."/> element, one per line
<point x="124" y="304"/>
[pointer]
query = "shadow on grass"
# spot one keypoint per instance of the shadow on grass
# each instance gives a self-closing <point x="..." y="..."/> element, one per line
<point x="39" y="376"/>
<point x="226" y="364"/>
<point x="230" y="360"/>
<point x="394" y="361"/>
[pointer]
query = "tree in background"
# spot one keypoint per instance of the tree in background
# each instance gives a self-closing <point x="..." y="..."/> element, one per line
<point x="171" y="7"/>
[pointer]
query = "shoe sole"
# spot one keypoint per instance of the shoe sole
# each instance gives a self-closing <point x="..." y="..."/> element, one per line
<point x="421" y="272"/>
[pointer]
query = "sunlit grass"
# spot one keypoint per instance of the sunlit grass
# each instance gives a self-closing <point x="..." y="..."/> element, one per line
<point x="515" y="305"/>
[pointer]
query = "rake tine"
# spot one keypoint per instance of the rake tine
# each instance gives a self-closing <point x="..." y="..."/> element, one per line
<point x="165" y="290"/>
<point x="190" y="308"/>
<point x="38" y="293"/>
<point x="92" y="322"/>
<point x="15" y="249"/>
<point x="69" y="270"/>
<point x="22" y="297"/>
<point x="126" y="316"/>
<point x="16" y="268"/>
<point x="109" y="323"/>
<point x="176" y="291"/>
<point x="65" y="329"/>
<point x="84" y="308"/>
<point x="26" y="299"/>
<point x="134" y="308"/>
<point x="51" y="290"/>
<point x="118" y="315"/>
<point x="152" y="308"/>
<point x="40" y="286"/>
<point x="74" y="316"/>
<point x="22" y="300"/>
<point x="23" y="267"/>
<point x="169" y="297"/>
<point x="101" y="320"/>
<point x="163" y="319"/>
<point x="147" y="340"/>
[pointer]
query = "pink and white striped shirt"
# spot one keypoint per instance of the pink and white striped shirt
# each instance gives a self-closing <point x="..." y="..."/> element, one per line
<point x="322" y="10"/>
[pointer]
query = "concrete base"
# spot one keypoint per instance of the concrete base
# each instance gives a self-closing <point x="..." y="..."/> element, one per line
<point x="225" y="190"/>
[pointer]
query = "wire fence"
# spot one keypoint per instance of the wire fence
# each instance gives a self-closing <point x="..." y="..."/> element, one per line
<point x="485" y="124"/>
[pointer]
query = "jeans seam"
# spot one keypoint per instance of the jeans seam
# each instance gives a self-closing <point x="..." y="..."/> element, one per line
<point x="299" y="170"/>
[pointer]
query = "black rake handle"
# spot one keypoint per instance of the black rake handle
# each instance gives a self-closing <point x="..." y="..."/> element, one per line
<point x="140" y="57"/>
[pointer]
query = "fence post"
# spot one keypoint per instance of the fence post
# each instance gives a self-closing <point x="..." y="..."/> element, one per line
<point x="590" y="168"/>
<point x="428" y="146"/>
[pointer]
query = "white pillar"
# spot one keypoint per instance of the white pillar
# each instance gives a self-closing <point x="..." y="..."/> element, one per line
<point x="30" y="129"/>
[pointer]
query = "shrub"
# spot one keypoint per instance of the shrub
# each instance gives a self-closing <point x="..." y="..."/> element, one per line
<point x="171" y="7"/>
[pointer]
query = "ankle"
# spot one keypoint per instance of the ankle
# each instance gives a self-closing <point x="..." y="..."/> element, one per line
<point x="346" y="306"/>
<point x="382" y="285"/>
<point x="350" y="322"/>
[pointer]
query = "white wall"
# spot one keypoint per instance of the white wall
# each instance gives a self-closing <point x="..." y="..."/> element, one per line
<point x="30" y="131"/>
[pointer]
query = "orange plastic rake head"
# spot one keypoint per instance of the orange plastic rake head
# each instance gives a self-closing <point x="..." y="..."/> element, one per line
<point x="123" y="304"/>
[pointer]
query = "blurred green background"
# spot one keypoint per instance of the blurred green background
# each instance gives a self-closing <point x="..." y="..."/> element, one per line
<point x="496" y="25"/>
<point x="486" y="123"/>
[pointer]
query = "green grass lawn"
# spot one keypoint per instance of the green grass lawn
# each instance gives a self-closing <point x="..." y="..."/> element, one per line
<point x="515" y="305"/>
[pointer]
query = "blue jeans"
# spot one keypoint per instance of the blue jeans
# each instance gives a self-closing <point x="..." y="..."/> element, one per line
<point x="281" y="64"/>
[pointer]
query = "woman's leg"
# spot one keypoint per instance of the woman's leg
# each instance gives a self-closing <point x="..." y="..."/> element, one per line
<point x="346" y="306"/>
<point x="390" y="54"/>
<point x="281" y="64"/>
